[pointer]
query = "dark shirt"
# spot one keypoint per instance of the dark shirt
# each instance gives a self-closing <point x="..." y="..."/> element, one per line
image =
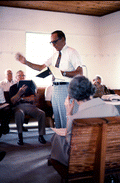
<point x="101" y="90"/>
<point x="13" y="91"/>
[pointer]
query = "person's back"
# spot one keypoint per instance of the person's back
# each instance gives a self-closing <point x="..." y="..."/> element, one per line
<point x="95" y="107"/>
<point x="80" y="90"/>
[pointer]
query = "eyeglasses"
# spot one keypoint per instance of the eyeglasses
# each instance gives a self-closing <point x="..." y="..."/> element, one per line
<point x="54" y="42"/>
<point x="21" y="75"/>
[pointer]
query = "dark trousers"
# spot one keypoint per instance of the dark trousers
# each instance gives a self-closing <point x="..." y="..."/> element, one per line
<point x="5" y="114"/>
<point x="29" y="109"/>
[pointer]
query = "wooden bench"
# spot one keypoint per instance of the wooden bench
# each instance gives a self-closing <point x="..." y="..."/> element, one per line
<point x="117" y="91"/>
<point x="94" y="150"/>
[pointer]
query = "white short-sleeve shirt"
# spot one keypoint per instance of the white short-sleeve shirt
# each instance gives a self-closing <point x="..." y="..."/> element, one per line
<point x="5" y="84"/>
<point x="70" y="60"/>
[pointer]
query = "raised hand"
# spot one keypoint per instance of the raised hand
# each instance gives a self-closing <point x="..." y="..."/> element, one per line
<point x="22" y="90"/>
<point x="20" y="58"/>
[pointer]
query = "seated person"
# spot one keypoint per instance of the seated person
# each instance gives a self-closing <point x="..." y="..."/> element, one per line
<point x="6" y="84"/>
<point x="25" y="105"/>
<point x="100" y="89"/>
<point x="80" y="90"/>
<point x="4" y="114"/>
<point x="8" y="81"/>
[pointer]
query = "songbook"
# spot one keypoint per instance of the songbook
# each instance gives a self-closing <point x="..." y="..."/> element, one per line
<point x="51" y="70"/>
<point x="30" y="87"/>
<point x="44" y="72"/>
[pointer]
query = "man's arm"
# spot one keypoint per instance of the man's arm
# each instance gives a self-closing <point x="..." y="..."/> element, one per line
<point x="30" y="98"/>
<point x="71" y="74"/>
<point x="16" y="98"/>
<point x="23" y="60"/>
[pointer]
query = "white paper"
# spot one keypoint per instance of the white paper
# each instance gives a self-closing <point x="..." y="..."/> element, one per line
<point x="59" y="131"/>
<point x="56" y="72"/>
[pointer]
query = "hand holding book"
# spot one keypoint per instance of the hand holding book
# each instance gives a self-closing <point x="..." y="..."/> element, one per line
<point x="51" y="69"/>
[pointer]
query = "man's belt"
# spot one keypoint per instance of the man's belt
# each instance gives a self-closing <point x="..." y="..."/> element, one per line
<point x="60" y="83"/>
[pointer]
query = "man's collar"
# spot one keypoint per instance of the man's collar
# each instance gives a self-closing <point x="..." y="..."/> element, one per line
<point x="64" y="47"/>
<point x="8" y="81"/>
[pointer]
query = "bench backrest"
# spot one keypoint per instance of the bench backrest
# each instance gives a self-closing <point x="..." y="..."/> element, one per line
<point x="95" y="147"/>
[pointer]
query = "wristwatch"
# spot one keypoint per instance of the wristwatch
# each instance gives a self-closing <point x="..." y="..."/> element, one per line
<point x="64" y="73"/>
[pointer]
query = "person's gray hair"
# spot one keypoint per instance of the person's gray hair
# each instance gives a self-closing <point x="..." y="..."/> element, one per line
<point x="19" y="71"/>
<point x="80" y="88"/>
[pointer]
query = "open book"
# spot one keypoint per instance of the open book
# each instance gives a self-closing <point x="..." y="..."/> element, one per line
<point x="51" y="69"/>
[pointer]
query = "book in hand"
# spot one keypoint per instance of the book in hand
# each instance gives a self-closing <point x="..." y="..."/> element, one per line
<point x="30" y="87"/>
<point x="44" y="72"/>
<point x="51" y="70"/>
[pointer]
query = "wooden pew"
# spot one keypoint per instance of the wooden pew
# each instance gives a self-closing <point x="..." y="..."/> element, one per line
<point x="94" y="150"/>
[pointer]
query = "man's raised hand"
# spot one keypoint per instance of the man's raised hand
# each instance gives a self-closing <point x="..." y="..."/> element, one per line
<point x="20" y="58"/>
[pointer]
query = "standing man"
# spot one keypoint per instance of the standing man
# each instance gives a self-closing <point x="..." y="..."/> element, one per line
<point x="25" y="105"/>
<point x="8" y="81"/>
<point x="69" y="62"/>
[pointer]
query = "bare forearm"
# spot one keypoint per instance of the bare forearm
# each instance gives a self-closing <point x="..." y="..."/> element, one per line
<point x="30" y="98"/>
<point x="71" y="74"/>
<point x="23" y="60"/>
<point x="15" y="98"/>
<point x="35" y="66"/>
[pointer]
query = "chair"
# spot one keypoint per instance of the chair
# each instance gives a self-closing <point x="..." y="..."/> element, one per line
<point x="94" y="150"/>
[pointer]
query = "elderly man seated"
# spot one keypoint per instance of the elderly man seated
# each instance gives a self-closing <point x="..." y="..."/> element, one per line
<point x="100" y="88"/>
<point x="24" y="104"/>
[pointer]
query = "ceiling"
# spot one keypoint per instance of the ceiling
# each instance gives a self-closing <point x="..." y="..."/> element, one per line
<point x="93" y="8"/>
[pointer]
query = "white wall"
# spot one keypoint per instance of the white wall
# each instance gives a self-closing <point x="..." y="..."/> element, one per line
<point x="110" y="49"/>
<point x="96" y="39"/>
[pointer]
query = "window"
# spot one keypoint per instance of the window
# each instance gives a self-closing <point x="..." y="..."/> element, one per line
<point x="38" y="50"/>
